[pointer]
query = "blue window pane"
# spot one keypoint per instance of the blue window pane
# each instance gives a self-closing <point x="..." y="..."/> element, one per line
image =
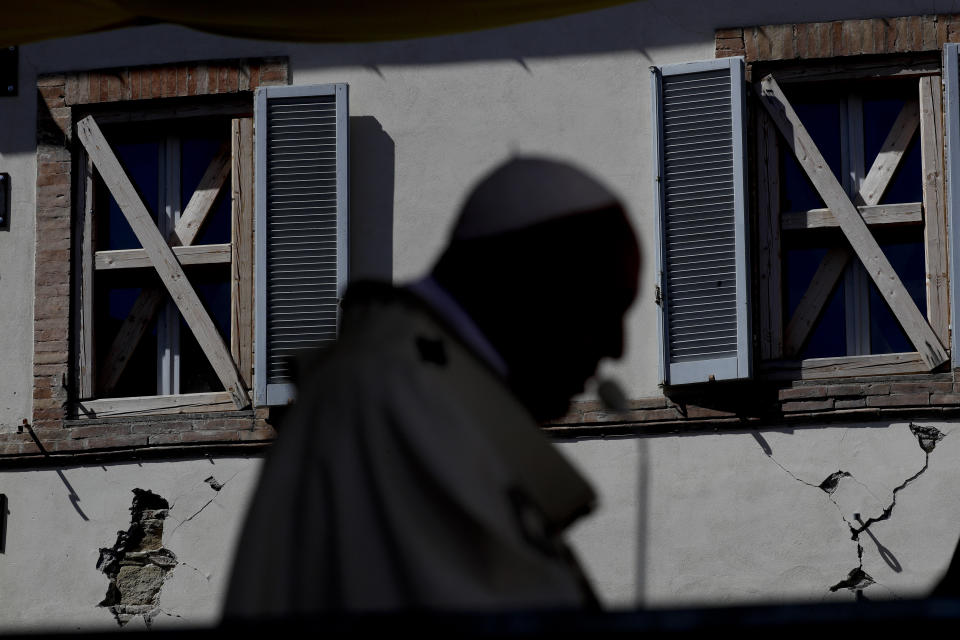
<point x="112" y="304"/>
<point x="828" y="337"/>
<point x="886" y="335"/>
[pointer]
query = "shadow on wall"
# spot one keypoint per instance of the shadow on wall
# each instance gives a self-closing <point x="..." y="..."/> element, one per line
<point x="372" y="167"/>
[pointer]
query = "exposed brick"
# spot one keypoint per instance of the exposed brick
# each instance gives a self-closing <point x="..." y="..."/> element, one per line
<point x="202" y="79"/>
<point x="647" y="403"/>
<point x="921" y="387"/>
<point x="223" y="79"/>
<point x="232" y="79"/>
<point x="836" y="38"/>
<point x="47" y="415"/>
<point x="99" y="431"/>
<point x="65" y="445"/>
<point x="51" y="80"/>
<point x="750" y="47"/>
<point x="169" y="82"/>
<point x="705" y="412"/>
<point x="807" y="405"/>
<point x="51" y="346"/>
<point x="167" y="426"/>
<point x="852" y="37"/>
<point x="899" y="400"/>
<point x="151" y="83"/>
<point x="258" y="435"/>
<point x="135" y="88"/>
<point x="53" y="168"/>
<point x="163" y="438"/>
<point x="54" y="96"/>
<point x="209" y="436"/>
<point x="866" y="37"/>
<point x="781" y="42"/>
<point x="838" y="390"/>
<point x="855" y="403"/>
<point x="273" y="72"/>
<point x="212" y="424"/>
<point x="53" y="290"/>
<point x="254" y="68"/>
<point x="50" y="357"/>
<point x="243" y="77"/>
<point x="876" y="389"/>
<point x="929" y="28"/>
<point x="944" y="398"/>
<point x="761" y="36"/>
<point x="803" y="35"/>
<point x="181" y="81"/>
<point x="47" y="403"/>
<point x="731" y="32"/>
<point x="114" y="441"/>
<point x="656" y="415"/>
<point x="48" y="369"/>
<point x="799" y="393"/>
<point x="42" y="392"/>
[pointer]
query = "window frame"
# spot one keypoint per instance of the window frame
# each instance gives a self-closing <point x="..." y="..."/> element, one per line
<point x="769" y="221"/>
<point x="239" y="253"/>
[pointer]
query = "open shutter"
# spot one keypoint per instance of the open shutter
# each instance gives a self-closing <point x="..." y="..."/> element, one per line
<point x="699" y="146"/>
<point x="951" y="83"/>
<point x="301" y="228"/>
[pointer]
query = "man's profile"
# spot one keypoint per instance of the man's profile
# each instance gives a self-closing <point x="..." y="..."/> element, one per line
<point x="412" y="472"/>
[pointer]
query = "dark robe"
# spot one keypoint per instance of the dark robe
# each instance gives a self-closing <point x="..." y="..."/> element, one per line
<point x="407" y="476"/>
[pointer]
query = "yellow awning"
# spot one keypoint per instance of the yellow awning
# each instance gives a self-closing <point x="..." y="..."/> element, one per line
<point x="297" y="20"/>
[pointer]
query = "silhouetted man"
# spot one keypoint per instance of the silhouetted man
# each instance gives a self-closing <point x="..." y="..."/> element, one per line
<point x="412" y="472"/>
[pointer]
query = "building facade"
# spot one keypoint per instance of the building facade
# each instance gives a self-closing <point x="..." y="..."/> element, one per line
<point x="134" y="399"/>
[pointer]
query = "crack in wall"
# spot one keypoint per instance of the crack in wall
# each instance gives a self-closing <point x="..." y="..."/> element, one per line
<point x="137" y="564"/>
<point x="857" y="579"/>
<point x="217" y="487"/>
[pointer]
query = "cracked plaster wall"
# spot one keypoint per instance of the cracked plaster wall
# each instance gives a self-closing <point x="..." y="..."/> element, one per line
<point x="739" y="518"/>
<point x="59" y="519"/>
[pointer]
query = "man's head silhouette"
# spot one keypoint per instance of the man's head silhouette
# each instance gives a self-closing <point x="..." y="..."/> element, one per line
<point x="545" y="261"/>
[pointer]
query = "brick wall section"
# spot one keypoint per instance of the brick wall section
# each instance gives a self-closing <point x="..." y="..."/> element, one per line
<point x="758" y="403"/>
<point x="57" y="95"/>
<point x="875" y="36"/>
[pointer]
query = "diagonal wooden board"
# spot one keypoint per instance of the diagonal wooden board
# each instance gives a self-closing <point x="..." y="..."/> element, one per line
<point x="161" y="255"/>
<point x="148" y="303"/>
<point x="833" y="264"/>
<point x="852" y="225"/>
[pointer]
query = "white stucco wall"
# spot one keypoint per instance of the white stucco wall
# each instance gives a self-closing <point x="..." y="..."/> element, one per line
<point x="739" y="518"/>
<point x="59" y="519"/>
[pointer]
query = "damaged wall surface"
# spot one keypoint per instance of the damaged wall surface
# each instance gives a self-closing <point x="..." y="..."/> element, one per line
<point x="133" y="544"/>
<point x="806" y="514"/>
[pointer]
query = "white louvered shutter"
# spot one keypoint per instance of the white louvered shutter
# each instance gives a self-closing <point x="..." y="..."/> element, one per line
<point x="301" y="228"/>
<point x="702" y="221"/>
<point x="951" y="83"/>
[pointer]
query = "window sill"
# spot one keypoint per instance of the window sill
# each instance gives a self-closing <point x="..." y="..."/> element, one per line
<point x="153" y="405"/>
<point x="843" y="367"/>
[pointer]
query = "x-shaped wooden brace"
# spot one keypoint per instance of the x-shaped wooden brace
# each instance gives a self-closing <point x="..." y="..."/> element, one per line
<point x="163" y="260"/>
<point x="852" y="225"/>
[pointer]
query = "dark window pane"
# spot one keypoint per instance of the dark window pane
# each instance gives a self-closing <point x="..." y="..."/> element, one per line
<point x="828" y="337"/>
<point x="886" y="335"/>
<point x="212" y="284"/>
<point x="822" y="121"/>
<point x="142" y="163"/>
<point x="196" y="155"/>
<point x="112" y="306"/>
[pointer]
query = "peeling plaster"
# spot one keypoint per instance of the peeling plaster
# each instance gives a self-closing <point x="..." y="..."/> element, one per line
<point x="137" y="564"/>
<point x="846" y="493"/>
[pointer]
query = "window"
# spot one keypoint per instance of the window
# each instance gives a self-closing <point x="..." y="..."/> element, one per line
<point x="846" y="174"/>
<point x="166" y="211"/>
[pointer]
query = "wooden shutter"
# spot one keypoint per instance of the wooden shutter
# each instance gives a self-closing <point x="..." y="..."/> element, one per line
<point x="951" y="83"/>
<point x="699" y="146"/>
<point x="301" y="228"/>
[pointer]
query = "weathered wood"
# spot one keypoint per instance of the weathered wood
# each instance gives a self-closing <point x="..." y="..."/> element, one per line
<point x="873" y="215"/>
<point x="768" y="237"/>
<point x="83" y="283"/>
<point x="195" y="213"/>
<point x="887" y="364"/>
<point x="150" y="300"/>
<point x="815" y="299"/>
<point x="224" y="107"/>
<point x="140" y="405"/>
<point x="935" y="227"/>
<point x="901" y="67"/>
<point x="241" y="277"/>
<point x="138" y="259"/>
<point x="891" y="154"/>
<point x="169" y="270"/>
<point x="852" y="225"/>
